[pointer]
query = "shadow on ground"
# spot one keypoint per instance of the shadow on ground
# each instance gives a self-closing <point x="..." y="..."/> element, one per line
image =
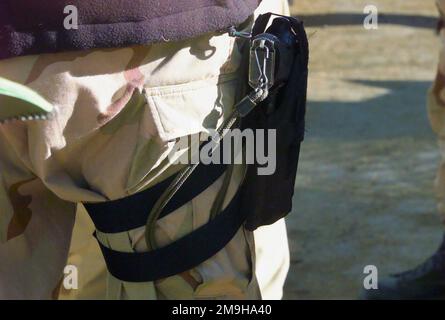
<point x="350" y="19"/>
<point x="399" y="113"/>
<point x="364" y="191"/>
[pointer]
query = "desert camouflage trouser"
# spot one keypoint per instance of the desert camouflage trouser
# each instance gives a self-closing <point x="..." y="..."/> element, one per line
<point x="118" y="115"/>
<point x="436" y="113"/>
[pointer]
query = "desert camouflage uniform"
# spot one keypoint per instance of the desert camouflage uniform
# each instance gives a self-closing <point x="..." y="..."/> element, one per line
<point x="436" y="112"/>
<point x="118" y="113"/>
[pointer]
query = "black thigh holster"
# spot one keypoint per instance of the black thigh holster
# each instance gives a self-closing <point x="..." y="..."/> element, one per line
<point x="268" y="198"/>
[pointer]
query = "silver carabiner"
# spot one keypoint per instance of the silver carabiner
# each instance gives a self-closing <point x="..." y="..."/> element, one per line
<point x="262" y="63"/>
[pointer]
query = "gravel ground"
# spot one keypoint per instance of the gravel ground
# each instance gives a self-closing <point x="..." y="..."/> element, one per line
<point x="364" y="193"/>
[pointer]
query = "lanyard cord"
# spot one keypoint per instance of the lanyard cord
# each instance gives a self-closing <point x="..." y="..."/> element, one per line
<point x="240" y="110"/>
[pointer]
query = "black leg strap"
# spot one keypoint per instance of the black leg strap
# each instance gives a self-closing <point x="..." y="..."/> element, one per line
<point x="183" y="254"/>
<point x="131" y="212"/>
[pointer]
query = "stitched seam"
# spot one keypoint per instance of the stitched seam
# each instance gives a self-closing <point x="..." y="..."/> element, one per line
<point x="175" y="89"/>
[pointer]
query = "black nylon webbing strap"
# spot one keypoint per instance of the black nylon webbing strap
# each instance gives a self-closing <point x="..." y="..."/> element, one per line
<point x="182" y="255"/>
<point x="131" y="212"/>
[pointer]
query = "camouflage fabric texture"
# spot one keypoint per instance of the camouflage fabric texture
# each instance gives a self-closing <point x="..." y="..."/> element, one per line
<point x="117" y="116"/>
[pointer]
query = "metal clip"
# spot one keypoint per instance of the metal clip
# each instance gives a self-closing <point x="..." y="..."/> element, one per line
<point x="262" y="63"/>
<point x="239" y="34"/>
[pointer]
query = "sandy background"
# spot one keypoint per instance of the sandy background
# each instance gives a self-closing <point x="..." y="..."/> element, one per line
<point x="364" y="193"/>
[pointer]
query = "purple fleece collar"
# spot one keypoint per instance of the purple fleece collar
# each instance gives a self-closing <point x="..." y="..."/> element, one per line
<point x="36" y="26"/>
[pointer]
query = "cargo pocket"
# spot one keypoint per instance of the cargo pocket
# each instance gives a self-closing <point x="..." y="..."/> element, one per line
<point x="183" y="110"/>
<point x="175" y="112"/>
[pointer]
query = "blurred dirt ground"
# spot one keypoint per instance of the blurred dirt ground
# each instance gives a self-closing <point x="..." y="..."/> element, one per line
<point x="364" y="192"/>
